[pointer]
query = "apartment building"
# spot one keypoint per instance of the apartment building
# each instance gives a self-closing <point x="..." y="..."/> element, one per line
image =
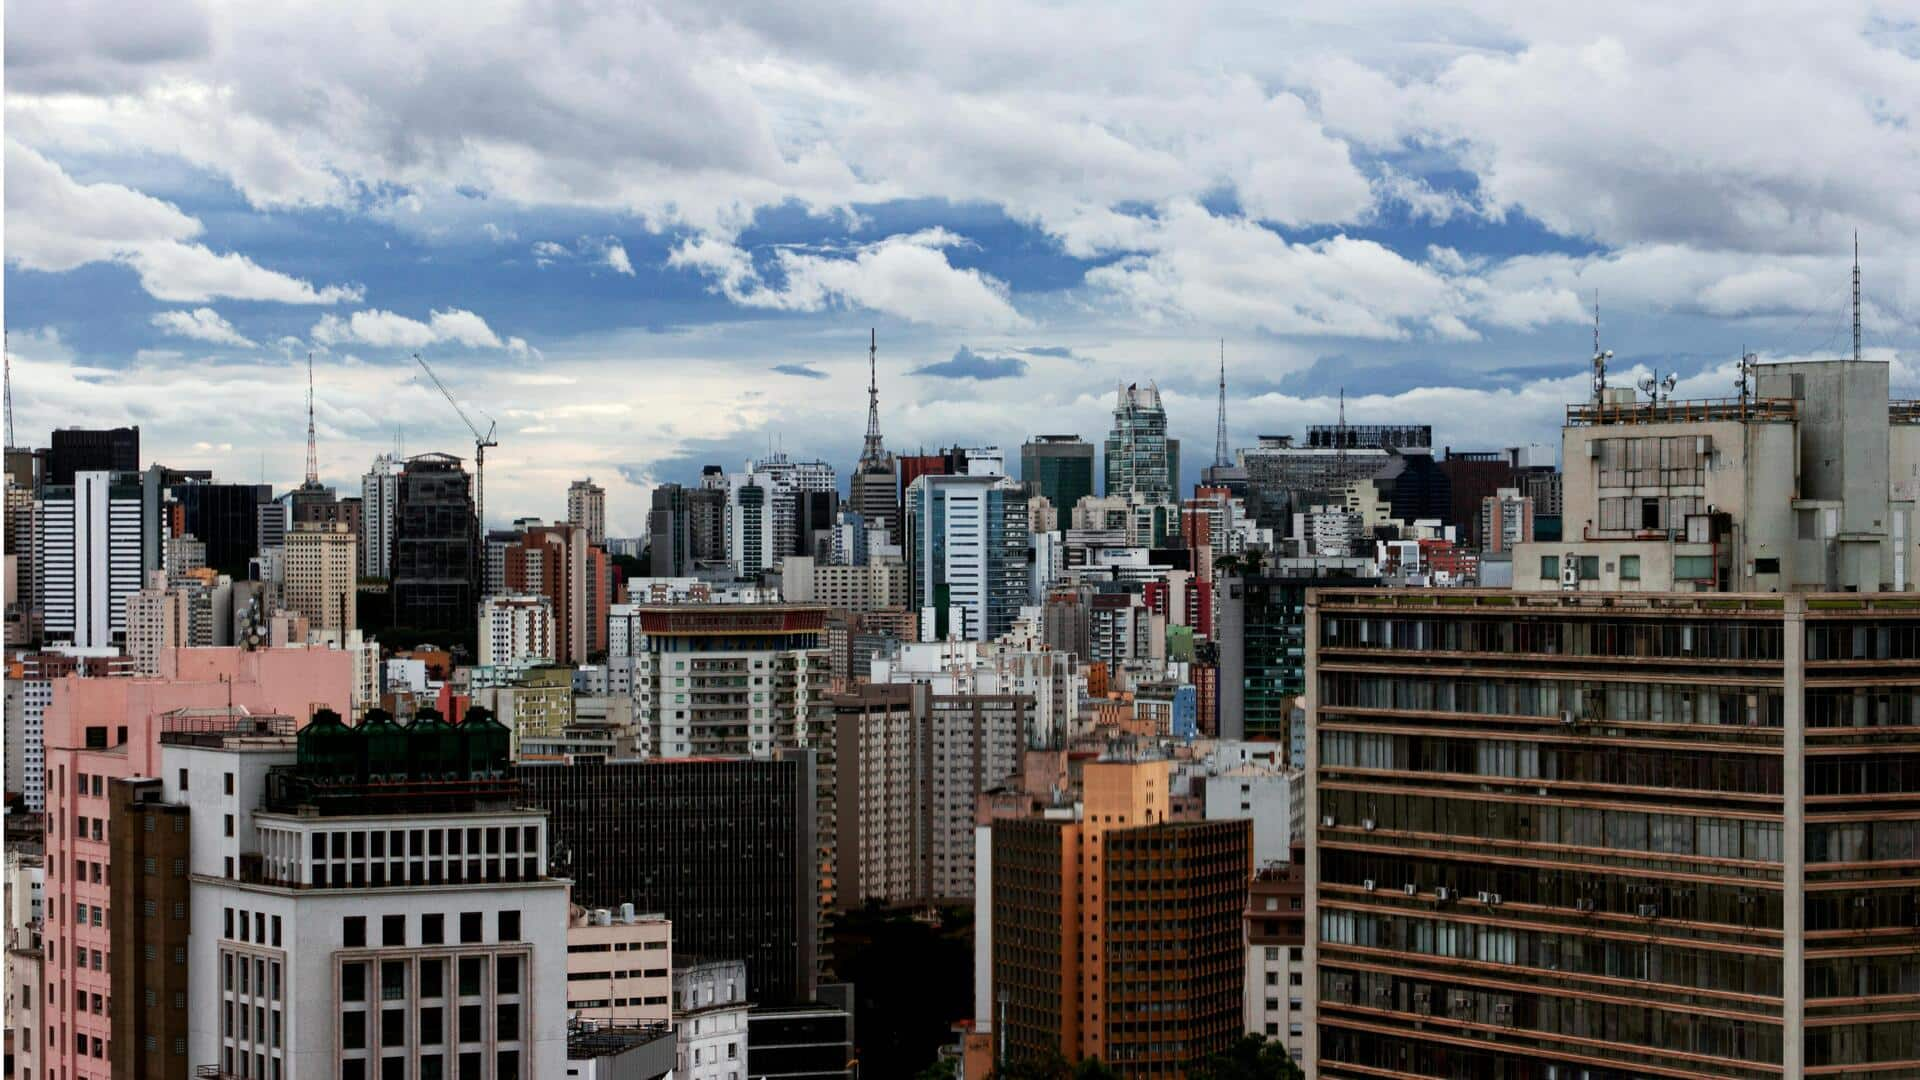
<point x="619" y="966"/>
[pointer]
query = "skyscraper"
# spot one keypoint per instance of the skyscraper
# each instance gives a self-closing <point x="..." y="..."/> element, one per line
<point x="435" y="565"/>
<point x="873" y="490"/>
<point x="379" y="492"/>
<point x="558" y="562"/>
<point x="1059" y="467"/>
<point x="587" y="508"/>
<point x="91" y="539"/>
<point x="320" y="576"/>
<point x="967" y="547"/>
<point x="1139" y="458"/>
<point x="77" y="450"/>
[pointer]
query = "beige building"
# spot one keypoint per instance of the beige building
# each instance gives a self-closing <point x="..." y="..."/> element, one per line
<point x="1807" y="484"/>
<point x="587" y="508"/>
<point x="619" y="966"/>
<point x="539" y="704"/>
<point x="322" y="571"/>
<point x="516" y="630"/>
<point x="881" y="585"/>
<point x="156" y="623"/>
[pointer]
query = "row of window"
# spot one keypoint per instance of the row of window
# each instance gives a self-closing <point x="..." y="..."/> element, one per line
<point x="433" y="929"/>
<point x="1615" y="765"/>
<point x="1620" y="636"/>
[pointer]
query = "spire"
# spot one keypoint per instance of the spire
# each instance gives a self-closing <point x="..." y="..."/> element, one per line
<point x="9" y="361"/>
<point x="873" y="455"/>
<point x="313" y="453"/>
<point x="1220" y="459"/>
<point x="1856" y="296"/>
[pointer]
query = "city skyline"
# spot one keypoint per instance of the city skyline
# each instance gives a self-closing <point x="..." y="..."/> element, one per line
<point x="1417" y="209"/>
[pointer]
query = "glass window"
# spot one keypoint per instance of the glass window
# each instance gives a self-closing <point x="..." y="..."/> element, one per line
<point x="1549" y="568"/>
<point x="1629" y="568"/>
<point x="353" y="932"/>
<point x="353" y="982"/>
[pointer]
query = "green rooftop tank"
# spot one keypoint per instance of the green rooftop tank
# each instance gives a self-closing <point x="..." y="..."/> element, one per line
<point x="435" y="749"/>
<point x="330" y="751"/>
<point x="386" y="743"/>
<point x="489" y="745"/>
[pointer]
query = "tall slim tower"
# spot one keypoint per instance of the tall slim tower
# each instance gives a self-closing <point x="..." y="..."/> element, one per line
<point x="873" y="454"/>
<point x="1220" y="459"/>
<point x="313" y="450"/>
<point x="873" y="490"/>
<point x="1856" y="297"/>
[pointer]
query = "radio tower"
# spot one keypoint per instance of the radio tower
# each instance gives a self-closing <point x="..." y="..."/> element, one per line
<point x="313" y="450"/>
<point x="1856" y="296"/>
<point x="9" y="375"/>
<point x="1220" y="435"/>
<point x="874" y="454"/>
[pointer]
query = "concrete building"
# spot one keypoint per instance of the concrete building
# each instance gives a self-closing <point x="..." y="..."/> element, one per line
<point x="752" y="544"/>
<point x="436" y="558"/>
<point x="967" y="552"/>
<point x="379" y="510"/>
<point x="878" y="585"/>
<point x="183" y="553"/>
<point x="619" y="966"/>
<point x="710" y="1020"/>
<point x="1086" y="905"/>
<point x="90" y="558"/>
<point x="1645" y="840"/>
<point x="587" y="509"/>
<point x="151" y="901"/>
<point x="156" y="624"/>
<point x="623" y="827"/>
<point x="1277" y="972"/>
<point x="1807" y="485"/>
<point x="1273" y="797"/>
<point x="1506" y="521"/>
<point x="516" y="631"/>
<point x="731" y="678"/>
<point x="322" y="575"/>
<point x="560" y="563"/>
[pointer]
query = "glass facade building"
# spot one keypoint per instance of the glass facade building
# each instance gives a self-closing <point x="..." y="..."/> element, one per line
<point x="1059" y="467"/>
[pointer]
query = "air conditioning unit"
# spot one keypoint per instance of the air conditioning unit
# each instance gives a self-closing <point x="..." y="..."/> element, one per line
<point x="1328" y="821"/>
<point x="1443" y="894"/>
<point x="1585" y="903"/>
<point x="1423" y="1000"/>
<point x="1459" y="1004"/>
<point x="1491" y="899"/>
<point x="1367" y="884"/>
<point x="1410" y="889"/>
<point x="1383" y="993"/>
<point x="1503" y="1013"/>
<point x="1566" y="717"/>
<point x="1342" y="988"/>
<point x="1649" y="911"/>
<point x="1367" y="824"/>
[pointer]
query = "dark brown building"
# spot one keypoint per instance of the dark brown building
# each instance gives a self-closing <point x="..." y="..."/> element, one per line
<point x="1474" y="475"/>
<point x="148" y="961"/>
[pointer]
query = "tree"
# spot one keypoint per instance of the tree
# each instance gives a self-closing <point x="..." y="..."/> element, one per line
<point x="1250" y="1058"/>
<point x="944" y="1068"/>
<point x="1056" y="1067"/>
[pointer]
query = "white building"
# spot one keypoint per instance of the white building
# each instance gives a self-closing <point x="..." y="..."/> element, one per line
<point x="710" y="1020"/>
<point x="26" y="753"/>
<point x="967" y="547"/>
<point x="587" y="508"/>
<point x="516" y="630"/>
<point x="362" y="932"/>
<point x="90" y="554"/>
<point x="379" y="495"/>
<point x="1271" y="796"/>
<point x="156" y="624"/>
<point x="750" y="508"/>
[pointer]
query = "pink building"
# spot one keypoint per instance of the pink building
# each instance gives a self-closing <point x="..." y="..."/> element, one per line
<point x="98" y="730"/>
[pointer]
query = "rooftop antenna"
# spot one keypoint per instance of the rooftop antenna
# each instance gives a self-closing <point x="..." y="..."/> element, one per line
<point x="1220" y="435"/>
<point x="873" y="455"/>
<point x="313" y="453"/>
<point x="1340" y="438"/>
<point x="1600" y="356"/>
<point x="9" y="374"/>
<point x="1745" y="379"/>
<point x="1657" y="388"/>
<point x="1856" y="296"/>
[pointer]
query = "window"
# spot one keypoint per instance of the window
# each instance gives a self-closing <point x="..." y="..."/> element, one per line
<point x="510" y="926"/>
<point x="229" y="783"/>
<point x="506" y="973"/>
<point x="1589" y="568"/>
<point x="469" y="927"/>
<point x="433" y="929"/>
<point x="430" y="1021"/>
<point x="473" y="971"/>
<point x="1692" y="567"/>
<point x="1549" y="568"/>
<point x="1629" y="568"/>
<point x="229" y="824"/>
<point x="431" y="977"/>
<point x="353" y="982"/>
<point x="353" y="931"/>
<point x="183" y="779"/>
<point x="469" y="1023"/>
<point x="1766" y="566"/>
<point x="393" y="931"/>
<point x="353" y="1031"/>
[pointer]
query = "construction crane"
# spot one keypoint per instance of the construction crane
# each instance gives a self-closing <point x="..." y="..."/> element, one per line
<point x="480" y="444"/>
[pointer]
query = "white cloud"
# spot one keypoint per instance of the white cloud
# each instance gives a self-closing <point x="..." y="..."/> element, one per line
<point x="616" y="259"/>
<point x="55" y="223"/>
<point x="387" y="330"/>
<point x="201" y="324"/>
<point x="906" y="275"/>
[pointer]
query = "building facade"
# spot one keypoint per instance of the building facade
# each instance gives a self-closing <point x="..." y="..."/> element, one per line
<point x="322" y="576"/>
<point x="1139" y="456"/>
<point x="436" y="564"/>
<point x="379" y="516"/>
<point x="90" y="559"/>
<point x="731" y="678"/>
<point x="1058" y="468"/>
<point x="587" y="509"/>
<point x="619" y="966"/>
<point x="967" y="550"/>
<point x="516" y="631"/>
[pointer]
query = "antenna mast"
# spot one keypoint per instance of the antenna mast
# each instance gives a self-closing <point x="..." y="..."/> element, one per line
<point x="1856" y="296"/>
<point x="873" y="454"/>
<point x="313" y="455"/>
<point x="1600" y="356"/>
<point x="9" y="374"/>
<point x="1220" y="436"/>
<point x="1340" y="457"/>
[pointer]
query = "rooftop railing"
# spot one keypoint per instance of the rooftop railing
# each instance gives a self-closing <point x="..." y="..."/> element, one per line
<point x="1591" y="414"/>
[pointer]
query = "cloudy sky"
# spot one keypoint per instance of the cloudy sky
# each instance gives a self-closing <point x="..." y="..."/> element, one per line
<point x="644" y="237"/>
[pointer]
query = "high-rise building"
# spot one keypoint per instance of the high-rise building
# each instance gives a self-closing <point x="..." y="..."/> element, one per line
<point x="435" y="564"/>
<point x="156" y="624"/>
<point x="725" y="849"/>
<point x="620" y="966"/>
<point x="92" y="532"/>
<point x="1506" y="519"/>
<point x="22" y="545"/>
<point x="787" y="482"/>
<point x="1263" y="670"/>
<point x="880" y="585"/>
<point x="1138" y="457"/>
<point x="587" y="508"/>
<point x="225" y="518"/>
<point x="687" y="529"/>
<point x="692" y="686"/>
<point x="1473" y="476"/>
<point x="322" y="571"/>
<point x="873" y="491"/>
<point x="1115" y="932"/>
<point x="1059" y="467"/>
<point x="560" y="563"/>
<point x="967" y="547"/>
<point x="1646" y="839"/>
<point x="73" y="451"/>
<point x="1283" y="476"/>
<point x="1277" y="972"/>
<point x="379" y="501"/>
<point x="751" y="509"/>
<point x="516" y="630"/>
<point x="151" y="904"/>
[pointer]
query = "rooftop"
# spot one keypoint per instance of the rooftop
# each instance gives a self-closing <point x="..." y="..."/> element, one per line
<point x="587" y="1040"/>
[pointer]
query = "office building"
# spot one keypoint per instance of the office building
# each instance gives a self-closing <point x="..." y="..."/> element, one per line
<point x="967" y="549"/>
<point x="619" y="966"/>
<point x="731" y="678"/>
<point x="752" y="544"/>
<point x="587" y="509"/>
<point x="1506" y="520"/>
<point x="1139" y="457"/>
<point x="379" y="514"/>
<point x="621" y="830"/>
<point x="1113" y="931"/>
<point x="710" y="1020"/>
<point x="1473" y="476"/>
<point x="322" y="575"/>
<point x="1058" y="468"/>
<point x="1263" y="649"/>
<point x="1284" y="477"/>
<point x="90" y="558"/>
<point x="687" y="529"/>
<point x="386" y="887"/>
<point x="879" y="585"/>
<point x="72" y="451"/>
<point x="224" y="517"/>
<point x="436" y="567"/>
<point x="516" y="631"/>
<point x="156" y="624"/>
<point x="1647" y="842"/>
<point x="560" y="563"/>
<point x="27" y="698"/>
